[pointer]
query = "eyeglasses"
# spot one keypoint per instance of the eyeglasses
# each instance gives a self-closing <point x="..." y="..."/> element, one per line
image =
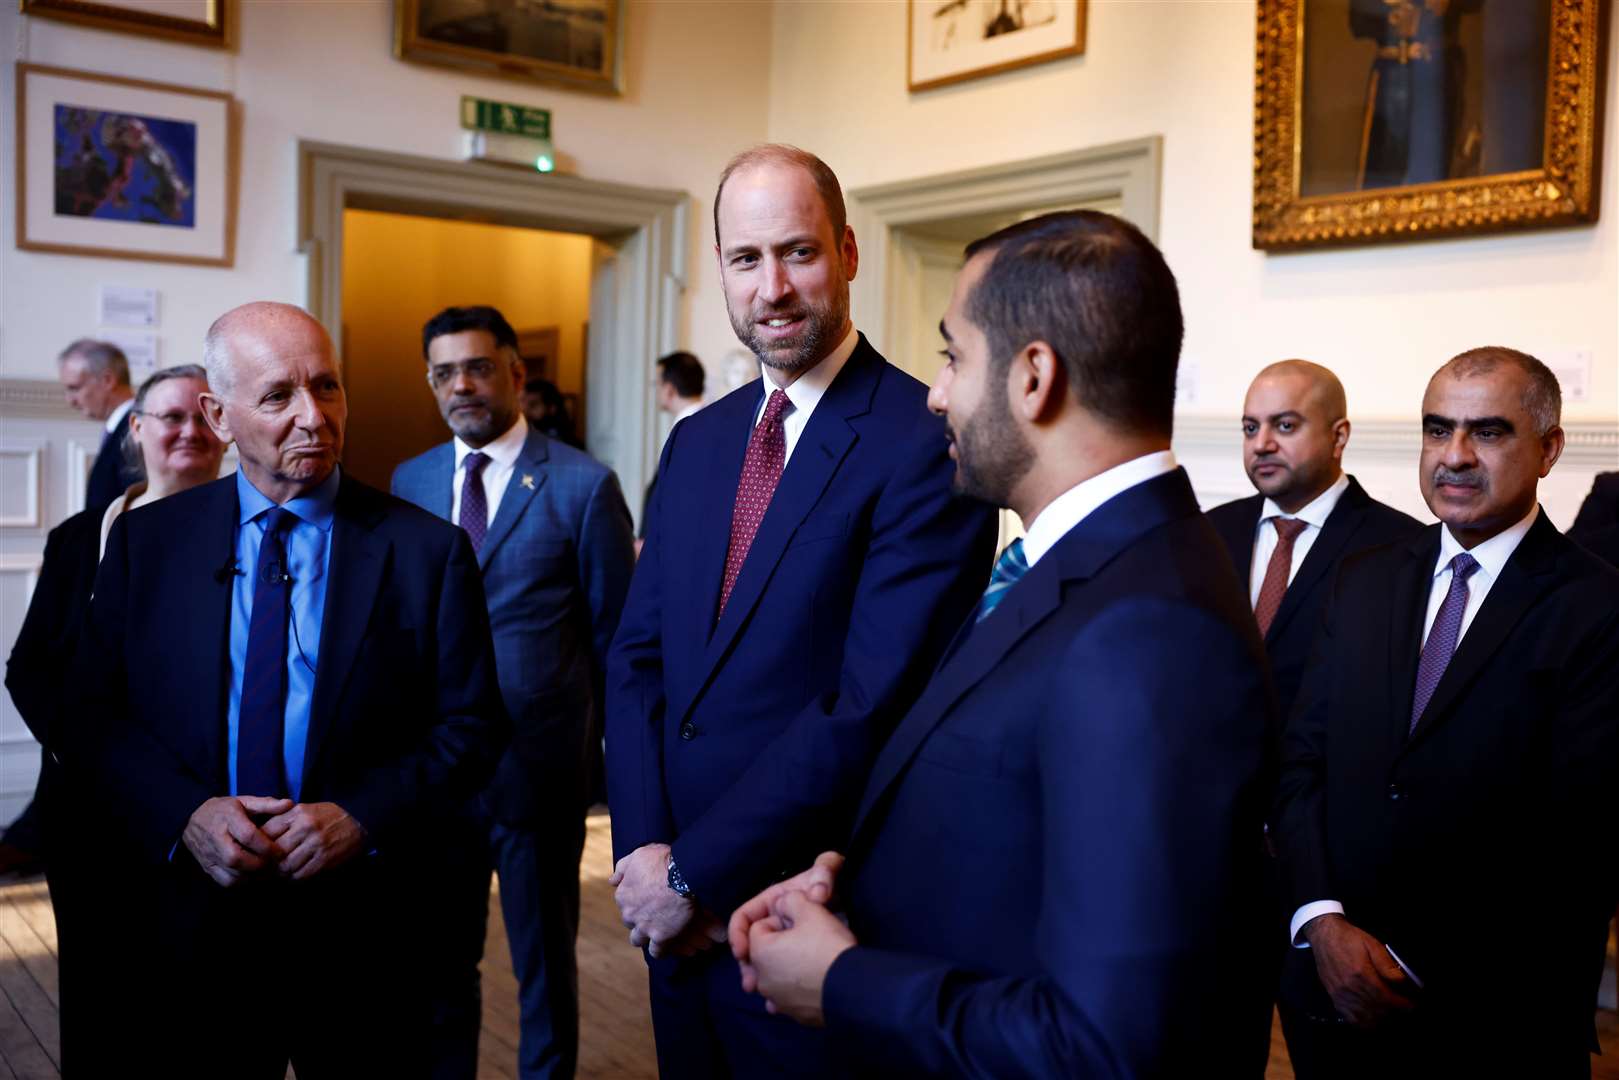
<point x="175" y="419"/>
<point x="440" y="375"/>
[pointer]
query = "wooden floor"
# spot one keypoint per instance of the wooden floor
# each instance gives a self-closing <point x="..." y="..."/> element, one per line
<point x="615" y="1027"/>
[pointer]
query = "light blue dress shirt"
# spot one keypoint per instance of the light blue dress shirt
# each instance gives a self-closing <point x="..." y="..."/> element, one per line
<point x="309" y="556"/>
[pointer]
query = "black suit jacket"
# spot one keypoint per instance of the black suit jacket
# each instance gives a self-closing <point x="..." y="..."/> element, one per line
<point x="1056" y="865"/>
<point x="406" y="719"/>
<point x="1477" y="847"/>
<point x="1358" y="522"/>
<point x="1597" y="527"/>
<point x="111" y="475"/>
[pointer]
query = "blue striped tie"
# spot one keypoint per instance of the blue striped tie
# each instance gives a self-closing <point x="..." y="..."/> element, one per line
<point x="1009" y="568"/>
<point x="261" y="717"/>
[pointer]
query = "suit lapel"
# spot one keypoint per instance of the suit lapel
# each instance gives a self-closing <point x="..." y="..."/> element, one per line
<point x="528" y="476"/>
<point x="821" y="448"/>
<point x="714" y="502"/>
<point x="1237" y="533"/>
<point x="1076" y="558"/>
<point x="1341" y="525"/>
<point x="205" y="642"/>
<point x="1522" y="582"/>
<point x="358" y="559"/>
<point x="1407" y="610"/>
<point x="438" y="494"/>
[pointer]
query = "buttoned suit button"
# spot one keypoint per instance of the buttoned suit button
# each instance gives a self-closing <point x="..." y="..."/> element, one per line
<point x="1395" y="791"/>
<point x="688" y="731"/>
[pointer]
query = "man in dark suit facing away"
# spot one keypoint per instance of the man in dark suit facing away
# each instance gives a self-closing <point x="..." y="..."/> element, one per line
<point x="552" y="536"/>
<point x="1308" y="513"/>
<point x="1450" y="764"/>
<point x="805" y="565"/>
<point x="95" y="380"/>
<point x="1055" y="866"/>
<point x="295" y="686"/>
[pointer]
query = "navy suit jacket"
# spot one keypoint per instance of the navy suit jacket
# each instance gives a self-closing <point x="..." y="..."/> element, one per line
<point x="406" y="719"/>
<point x="745" y="742"/>
<point x="111" y="475"/>
<point x="1055" y="869"/>
<point x="1358" y="522"/>
<point x="556" y="564"/>
<point x="1596" y="527"/>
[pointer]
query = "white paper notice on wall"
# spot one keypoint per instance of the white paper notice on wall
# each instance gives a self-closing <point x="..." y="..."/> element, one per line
<point x="1573" y="370"/>
<point x="140" y="349"/>
<point x="125" y="305"/>
<point x="1186" y="383"/>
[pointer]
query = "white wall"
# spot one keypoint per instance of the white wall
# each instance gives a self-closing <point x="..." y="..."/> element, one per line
<point x="1383" y="317"/>
<point x="324" y="69"/>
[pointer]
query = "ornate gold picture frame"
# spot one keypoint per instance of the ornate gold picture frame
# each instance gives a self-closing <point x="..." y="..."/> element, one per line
<point x="195" y="22"/>
<point x="574" y="43"/>
<point x="1387" y="120"/>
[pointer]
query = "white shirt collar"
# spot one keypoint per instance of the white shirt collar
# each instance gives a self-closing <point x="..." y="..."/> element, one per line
<point x="688" y="410"/>
<point x="1492" y="554"/>
<point x="1317" y="510"/>
<point x="502" y="451"/>
<point x="116" y="417"/>
<point x="1078" y="502"/>
<point x="808" y="389"/>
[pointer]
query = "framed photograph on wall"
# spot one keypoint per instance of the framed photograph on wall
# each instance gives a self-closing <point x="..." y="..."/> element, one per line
<point x="952" y="40"/>
<point x="573" y="43"/>
<point x="197" y="22"/>
<point x="1387" y="120"/>
<point x="124" y="168"/>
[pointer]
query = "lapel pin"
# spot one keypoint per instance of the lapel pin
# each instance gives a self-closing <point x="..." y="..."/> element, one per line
<point x="528" y="481"/>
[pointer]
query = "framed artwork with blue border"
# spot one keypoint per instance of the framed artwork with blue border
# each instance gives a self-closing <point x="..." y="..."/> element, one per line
<point x="123" y="168"/>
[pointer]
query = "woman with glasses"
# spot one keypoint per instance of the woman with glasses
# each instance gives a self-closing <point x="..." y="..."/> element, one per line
<point x="173" y="446"/>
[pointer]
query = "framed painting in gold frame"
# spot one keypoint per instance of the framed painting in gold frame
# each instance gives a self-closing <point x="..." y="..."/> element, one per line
<point x="124" y="168"/>
<point x="573" y="43"/>
<point x="1389" y="120"/>
<point x="196" y="22"/>
<point x="948" y="41"/>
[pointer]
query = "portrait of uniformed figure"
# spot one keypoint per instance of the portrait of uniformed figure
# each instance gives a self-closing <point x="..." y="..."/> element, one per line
<point x="1404" y="92"/>
<point x="568" y="32"/>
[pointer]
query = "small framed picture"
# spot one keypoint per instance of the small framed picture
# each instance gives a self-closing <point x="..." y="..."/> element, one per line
<point x="952" y="40"/>
<point x="124" y="168"/>
<point x="195" y="22"/>
<point x="578" y="44"/>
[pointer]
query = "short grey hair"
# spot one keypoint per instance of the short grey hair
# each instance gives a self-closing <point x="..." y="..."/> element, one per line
<point x="100" y="357"/>
<point x="131" y="448"/>
<point x="1542" y="399"/>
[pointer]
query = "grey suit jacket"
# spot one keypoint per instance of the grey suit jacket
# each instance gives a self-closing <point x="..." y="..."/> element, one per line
<point x="556" y="566"/>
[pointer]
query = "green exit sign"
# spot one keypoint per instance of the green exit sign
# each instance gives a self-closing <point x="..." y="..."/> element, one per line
<point x="501" y="118"/>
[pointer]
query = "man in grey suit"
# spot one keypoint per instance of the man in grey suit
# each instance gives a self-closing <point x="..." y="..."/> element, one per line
<point x="555" y="544"/>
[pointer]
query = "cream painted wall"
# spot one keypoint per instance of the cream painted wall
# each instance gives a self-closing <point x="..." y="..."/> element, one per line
<point x="1383" y="317"/>
<point x="323" y="69"/>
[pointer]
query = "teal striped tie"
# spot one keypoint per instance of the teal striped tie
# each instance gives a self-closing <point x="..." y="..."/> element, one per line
<point x="1009" y="569"/>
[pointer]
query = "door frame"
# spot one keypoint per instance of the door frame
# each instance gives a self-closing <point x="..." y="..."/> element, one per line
<point x="646" y="228"/>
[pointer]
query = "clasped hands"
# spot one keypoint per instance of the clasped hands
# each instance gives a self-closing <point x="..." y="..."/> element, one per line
<point x="660" y="919"/>
<point x="295" y="840"/>
<point x="786" y="938"/>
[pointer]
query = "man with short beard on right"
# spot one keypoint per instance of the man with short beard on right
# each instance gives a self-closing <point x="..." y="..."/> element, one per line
<point x="1449" y="767"/>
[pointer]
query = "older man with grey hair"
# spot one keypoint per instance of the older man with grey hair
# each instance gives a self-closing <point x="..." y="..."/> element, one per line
<point x="301" y="685"/>
<point x="95" y="380"/>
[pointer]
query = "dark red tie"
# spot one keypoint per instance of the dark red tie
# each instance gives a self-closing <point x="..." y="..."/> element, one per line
<point x="1274" y="586"/>
<point x="761" y="472"/>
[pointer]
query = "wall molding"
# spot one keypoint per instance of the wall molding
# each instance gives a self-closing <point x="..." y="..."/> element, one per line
<point x="41" y="398"/>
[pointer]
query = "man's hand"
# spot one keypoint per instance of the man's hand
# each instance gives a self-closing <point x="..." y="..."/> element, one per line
<point x="314" y="837"/>
<point x="792" y="951"/>
<point x="654" y="912"/>
<point x="701" y="934"/>
<point x="818" y="883"/>
<point x="1360" y="976"/>
<point x="226" y="843"/>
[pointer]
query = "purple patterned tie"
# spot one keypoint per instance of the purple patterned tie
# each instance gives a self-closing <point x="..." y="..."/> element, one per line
<point x="474" y="506"/>
<point x="761" y="472"/>
<point x="261" y="716"/>
<point x="1447" y="627"/>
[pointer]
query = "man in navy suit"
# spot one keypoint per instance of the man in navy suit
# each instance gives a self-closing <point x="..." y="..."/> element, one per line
<point x="1309" y="514"/>
<point x="805" y="565"/>
<point x="1055" y="863"/>
<point x="554" y="542"/>
<point x="95" y="380"/>
<point x="296" y="684"/>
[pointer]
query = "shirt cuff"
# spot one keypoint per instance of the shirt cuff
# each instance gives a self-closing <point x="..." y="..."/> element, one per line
<point x="1310" y="911"/>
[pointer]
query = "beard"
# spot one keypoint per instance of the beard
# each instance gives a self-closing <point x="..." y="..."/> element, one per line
<point x="477" y="426"/>
<point x="804" y="349"/>
<point x="991" y="454"/>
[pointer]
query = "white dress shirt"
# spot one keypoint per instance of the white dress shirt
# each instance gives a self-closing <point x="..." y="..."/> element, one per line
<point x="1080" y="501"/>
<point x="806" y="392"/>
<point x="1491" y="556"/>
<point x="503" y="454"/>
<point x="689" y="410"/>
<point x="116" y="417"/>
<point x="1314" y="514"/>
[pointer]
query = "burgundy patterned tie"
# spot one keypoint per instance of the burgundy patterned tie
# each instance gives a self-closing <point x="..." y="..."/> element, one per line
<point x="474" y="506"/>
<point x="1447" y="627"/>
<point x="761" y="472"/>
<point x="1274" y="587"/>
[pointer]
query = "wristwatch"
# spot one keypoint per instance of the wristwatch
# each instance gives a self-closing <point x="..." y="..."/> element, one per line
<point x="676" y="882"/>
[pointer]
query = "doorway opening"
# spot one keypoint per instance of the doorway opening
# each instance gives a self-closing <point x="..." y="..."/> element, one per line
<point x="401" y="269"/>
